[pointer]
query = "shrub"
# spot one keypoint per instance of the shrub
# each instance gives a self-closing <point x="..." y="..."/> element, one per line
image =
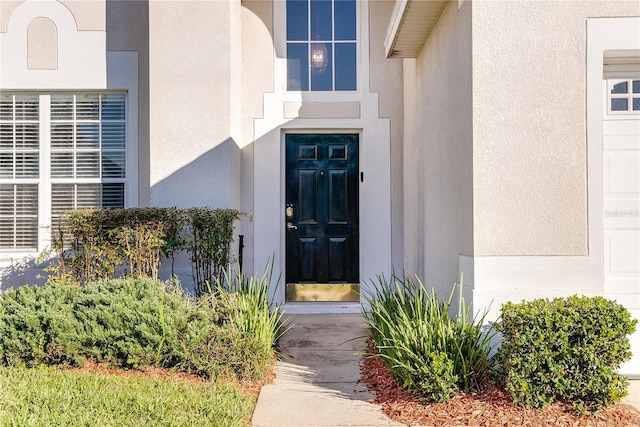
<point x="93" y="244"/>
<point x="249" y="333"/>
<point x="136" y="323"/>
<point x="128" y="323"/>
<point x="426" y="350"/>
<point x="209" y="234"/>
<point x="34" y="323"/>
<point x="565" y="349"/>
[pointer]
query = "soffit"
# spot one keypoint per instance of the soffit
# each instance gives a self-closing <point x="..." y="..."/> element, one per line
<point x="410" y="25"/>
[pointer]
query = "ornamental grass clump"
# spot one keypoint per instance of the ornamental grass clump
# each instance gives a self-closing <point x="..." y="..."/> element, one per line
<point x="565" y="349"/>
<point x="427" y="350"/>
<point x="249" y="314"/>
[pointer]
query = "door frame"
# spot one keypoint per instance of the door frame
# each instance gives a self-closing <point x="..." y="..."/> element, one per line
<point x="281" y="292"/>
<point x="264" y="222"/>
<point x="607" y="44"/>
<point x="284" y="193"/>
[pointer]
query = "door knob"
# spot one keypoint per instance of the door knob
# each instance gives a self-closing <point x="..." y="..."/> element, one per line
<point x="291" y="226"/>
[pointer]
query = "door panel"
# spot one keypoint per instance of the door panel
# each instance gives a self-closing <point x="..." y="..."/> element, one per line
<point x="322" y="217"/>
<point x="337" y="197"/>
<point x="307" y="200"/>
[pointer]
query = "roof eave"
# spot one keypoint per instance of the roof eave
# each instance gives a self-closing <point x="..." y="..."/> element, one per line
<point x="410" y="25"/>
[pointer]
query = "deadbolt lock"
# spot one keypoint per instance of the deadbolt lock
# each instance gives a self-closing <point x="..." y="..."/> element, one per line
<point x="289" y="211"/>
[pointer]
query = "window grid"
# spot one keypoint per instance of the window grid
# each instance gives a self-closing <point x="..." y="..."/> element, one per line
<point x="329" y="43"/>
<point x="88" y="136"/>
<point x="58" y="152"/>
<point x="624" y="96"/>
<point x="87" y="152"/>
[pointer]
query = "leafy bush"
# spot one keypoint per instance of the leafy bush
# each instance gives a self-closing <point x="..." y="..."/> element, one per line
<point x="426" y="350"/>
<point x="34" y="324"/>
<point x="209" y="234"/>
<point x="565" y="349"/>
<point x="133" y="323"/>
<point x="93" y="244"/>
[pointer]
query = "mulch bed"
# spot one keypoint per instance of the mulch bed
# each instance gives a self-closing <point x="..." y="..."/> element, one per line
<point x="489" y="407"/>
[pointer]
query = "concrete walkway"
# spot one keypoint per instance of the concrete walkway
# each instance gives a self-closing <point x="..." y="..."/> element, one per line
<point x="317" y="379"/>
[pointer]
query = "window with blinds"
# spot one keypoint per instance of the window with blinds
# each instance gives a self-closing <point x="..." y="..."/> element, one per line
<point x="83" y="149"/>
<point x="87" y="151"/>
<point x="19" y="171"/>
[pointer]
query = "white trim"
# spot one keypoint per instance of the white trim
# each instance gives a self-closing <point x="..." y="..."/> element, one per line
<point x="81" y="54"/>
<point x="397" y="16"/>
<point x="269" y="164"/>
<point x="375" y="193"/>
<point x="603" y="36"/>
<point x="292" y="308"/>
<point x="123" y="75"/>
<point x="44" y="189"/>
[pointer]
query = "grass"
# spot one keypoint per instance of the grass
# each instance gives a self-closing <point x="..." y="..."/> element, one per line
<point x="227" y="337"/>
<point x="49" y="396"/>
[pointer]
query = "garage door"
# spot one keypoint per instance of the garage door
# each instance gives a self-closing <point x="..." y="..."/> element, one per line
<point x="621" y="190"/>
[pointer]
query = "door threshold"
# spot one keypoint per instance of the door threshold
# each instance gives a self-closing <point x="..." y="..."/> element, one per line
<point x="322" y="292"/>
<point x="321" y="308"/>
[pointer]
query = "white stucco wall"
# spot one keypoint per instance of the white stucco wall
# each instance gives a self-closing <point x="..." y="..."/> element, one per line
<point x="438" y="151"/>
<point x="529" y="124"/>
<point x="194" y="159"/>
<point x="498" y="123"/>
<point x="537" y="223"/>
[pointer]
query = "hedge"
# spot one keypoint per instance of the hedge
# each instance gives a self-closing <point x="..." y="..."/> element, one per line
<point x="565" y="349"/>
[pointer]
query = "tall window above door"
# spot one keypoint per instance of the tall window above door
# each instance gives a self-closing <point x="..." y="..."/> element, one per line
<point x="321" y="45"/>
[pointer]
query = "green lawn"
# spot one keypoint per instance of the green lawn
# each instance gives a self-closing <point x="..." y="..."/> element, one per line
<point x="49" y="396"/>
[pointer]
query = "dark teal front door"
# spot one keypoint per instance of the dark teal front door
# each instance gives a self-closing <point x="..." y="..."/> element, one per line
<point x="321" y="216"/>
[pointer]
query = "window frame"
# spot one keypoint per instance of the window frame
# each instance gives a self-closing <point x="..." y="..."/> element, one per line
<point x="15" y="181"/>
<point x="613" y="80"/>
<point x="330" y="45"/>
<point x="45" y="181"/>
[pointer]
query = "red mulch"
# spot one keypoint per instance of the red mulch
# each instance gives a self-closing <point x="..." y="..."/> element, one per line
<point x="489" y="407"/>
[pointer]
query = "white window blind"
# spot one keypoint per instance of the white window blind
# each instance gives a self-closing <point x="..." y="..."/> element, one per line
<point x="85" y="151"/>
<point x="88" y="142"/>
<point x="19" y="171"/>
<point x="88" y="136"/>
